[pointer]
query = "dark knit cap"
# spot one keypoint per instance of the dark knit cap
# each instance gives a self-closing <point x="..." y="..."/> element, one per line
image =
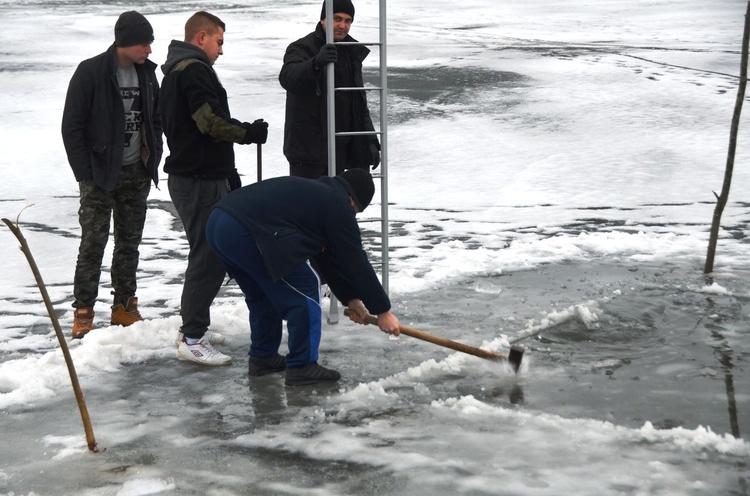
<point x="360" y="185"/>
<point x="131" y="29"/>
<point x="345" y="6"/>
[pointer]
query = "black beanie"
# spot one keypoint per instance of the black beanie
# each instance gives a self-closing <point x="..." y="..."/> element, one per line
<point x="345" y="6"/>
<point x="131" y="29"/>
<point x="360" y="185"/>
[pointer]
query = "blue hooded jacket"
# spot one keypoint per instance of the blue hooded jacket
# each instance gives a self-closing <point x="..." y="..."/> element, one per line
<point x="294" y="219"/>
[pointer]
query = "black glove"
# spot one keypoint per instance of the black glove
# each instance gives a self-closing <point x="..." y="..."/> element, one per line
<point x="374" y="155"/>
<point x="326" y="55"/>
<point x="234" y="181"/>
<point x="257" y="132"/>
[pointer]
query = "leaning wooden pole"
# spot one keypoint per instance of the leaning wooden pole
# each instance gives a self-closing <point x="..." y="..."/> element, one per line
<point x="60" y="337"/>
<point x="721" y="200"/>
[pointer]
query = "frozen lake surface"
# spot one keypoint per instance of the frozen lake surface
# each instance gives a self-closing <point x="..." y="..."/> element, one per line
<point x="551" y="178"/>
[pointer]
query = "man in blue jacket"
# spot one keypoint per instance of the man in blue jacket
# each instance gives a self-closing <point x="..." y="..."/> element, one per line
<point x="112" y="131"/>
<point x="265" y="234"/>
<point x="201" y="134"/>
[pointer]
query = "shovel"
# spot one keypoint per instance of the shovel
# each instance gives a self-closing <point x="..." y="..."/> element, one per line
<point x="513" y="358"/>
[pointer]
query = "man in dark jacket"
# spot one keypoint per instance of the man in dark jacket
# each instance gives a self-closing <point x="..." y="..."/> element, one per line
<point x="111" y="129"/>
<point x="200" y="133"/>
<point x="266" y="232"/>
<point x="303" y="76"/>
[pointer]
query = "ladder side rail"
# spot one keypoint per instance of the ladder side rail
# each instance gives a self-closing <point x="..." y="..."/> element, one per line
<point x="333" y="311"/>
<point x="384" y="231"/>
<point x="330" y="107"/>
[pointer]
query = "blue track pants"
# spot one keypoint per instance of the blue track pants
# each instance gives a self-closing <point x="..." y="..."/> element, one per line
<point x="295" y="298"/>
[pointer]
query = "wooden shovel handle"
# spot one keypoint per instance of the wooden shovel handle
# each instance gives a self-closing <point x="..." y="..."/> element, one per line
<point x="447" y="343"/>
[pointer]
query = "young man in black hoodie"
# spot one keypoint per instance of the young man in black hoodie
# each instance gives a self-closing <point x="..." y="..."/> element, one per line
<point x="266" y="232"/>
<point x="200" y="133"/>
<point x="111" y="129"/>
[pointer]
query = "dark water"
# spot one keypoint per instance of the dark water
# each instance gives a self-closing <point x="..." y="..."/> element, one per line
<point x="661" y="350"/>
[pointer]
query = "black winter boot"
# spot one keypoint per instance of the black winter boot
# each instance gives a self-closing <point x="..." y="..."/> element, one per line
<point x="257" y="367"/>
<point x="312" y="373"/>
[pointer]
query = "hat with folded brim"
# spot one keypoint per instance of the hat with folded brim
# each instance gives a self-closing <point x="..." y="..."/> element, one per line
<point x="345" y="6"/>
<point x="132" y="29"/>
<point x="360" y="185"/>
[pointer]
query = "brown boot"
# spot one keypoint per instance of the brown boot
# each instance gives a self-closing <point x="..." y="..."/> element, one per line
<point x="83" y="321"/>
<point x="128" y="315"/>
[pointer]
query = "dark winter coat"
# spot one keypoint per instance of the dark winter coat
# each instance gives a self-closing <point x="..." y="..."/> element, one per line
<point x="294" y="219"/>
<point x="93" y="124"/>
<point x="305" y="127"/>
<point x="199" y="128"/>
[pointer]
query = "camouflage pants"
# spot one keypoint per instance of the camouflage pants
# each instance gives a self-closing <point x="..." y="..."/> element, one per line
<point x="127" y="205"/>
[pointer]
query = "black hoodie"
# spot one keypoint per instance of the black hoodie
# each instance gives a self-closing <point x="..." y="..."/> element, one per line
<point x="195" y="114"/>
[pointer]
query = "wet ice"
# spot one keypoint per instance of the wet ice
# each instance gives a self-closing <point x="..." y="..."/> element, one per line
<point x="551" y="181"/>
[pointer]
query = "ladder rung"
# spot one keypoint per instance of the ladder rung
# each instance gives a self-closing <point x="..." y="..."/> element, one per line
<point x="365" y="43"/>
<point x="358" y="88"/>
<point x="357" y="133"/>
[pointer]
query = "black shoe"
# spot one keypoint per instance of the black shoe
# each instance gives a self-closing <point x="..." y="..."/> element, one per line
<point x="257" y="367"/>
<point x="312" y="373"/>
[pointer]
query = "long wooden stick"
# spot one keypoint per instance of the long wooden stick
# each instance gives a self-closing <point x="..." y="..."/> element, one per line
<point x="723" y="197"/>
<point x="447" y="343"/>
<point x="60" y="336"/>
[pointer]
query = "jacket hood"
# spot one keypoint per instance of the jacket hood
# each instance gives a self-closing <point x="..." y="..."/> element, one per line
<point x="178" y="51"/>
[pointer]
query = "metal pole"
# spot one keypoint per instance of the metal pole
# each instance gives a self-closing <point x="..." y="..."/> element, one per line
<point x="331" y="104"/>
<point x="333" y="311"/>
<point x="383" y="147"/>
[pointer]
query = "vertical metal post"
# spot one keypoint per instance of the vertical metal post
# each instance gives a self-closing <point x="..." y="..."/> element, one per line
<point x="331" y="97"/>
<point x="331" y="131"/>
<point x="333" y="310"/>
<point x="383" y="147"/>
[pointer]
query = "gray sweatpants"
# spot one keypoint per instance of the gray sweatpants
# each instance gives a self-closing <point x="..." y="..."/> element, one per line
<point x="194" y="199"/>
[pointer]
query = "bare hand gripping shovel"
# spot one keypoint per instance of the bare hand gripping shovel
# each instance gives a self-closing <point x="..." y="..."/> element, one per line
<point x="514" y="357"/>
<point x="60" y="337"/>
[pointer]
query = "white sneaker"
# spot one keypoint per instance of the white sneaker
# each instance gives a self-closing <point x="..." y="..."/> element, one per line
<point x="213" y="337"/>
<point x="202" y="352"/>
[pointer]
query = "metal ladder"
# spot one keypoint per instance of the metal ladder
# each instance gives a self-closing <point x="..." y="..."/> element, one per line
<point x="333" y="311"/>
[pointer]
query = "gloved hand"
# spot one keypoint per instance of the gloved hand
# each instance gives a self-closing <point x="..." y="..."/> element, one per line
<point x="326" y="55"/>
<point x="374" y="155"/>
<point x="257" y="132"/>
<point x="234" y="181"/>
